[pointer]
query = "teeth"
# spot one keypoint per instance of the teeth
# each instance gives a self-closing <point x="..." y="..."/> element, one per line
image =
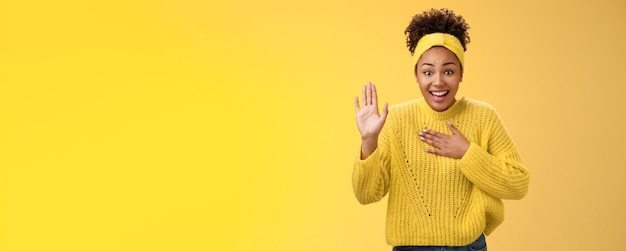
<point x="441" y="93"/>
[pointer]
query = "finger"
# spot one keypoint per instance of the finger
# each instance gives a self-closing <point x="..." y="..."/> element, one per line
<point x="364" y="95"/>
<point x="432" y="134"/>
<point x="356" y="103"/>
<point x="452" y="128"/>
<point x="433" y="151"/>
<point x="385" y="111"/>
<point x="369" y="93"/>
<point x="424" y="134"/>
<point x="430" y="141"/>
<point x="374" y="97"/>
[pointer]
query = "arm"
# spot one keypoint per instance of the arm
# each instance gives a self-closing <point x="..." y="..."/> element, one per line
<point x="370" y="177"/>
<point x="496" y="168"/>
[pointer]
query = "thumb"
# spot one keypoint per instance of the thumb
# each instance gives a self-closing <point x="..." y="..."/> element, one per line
<point x="452" y="128"/>
<point x="385" y="111"/>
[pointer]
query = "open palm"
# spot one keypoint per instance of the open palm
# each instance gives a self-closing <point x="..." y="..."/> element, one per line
<point x="369" y="121"/>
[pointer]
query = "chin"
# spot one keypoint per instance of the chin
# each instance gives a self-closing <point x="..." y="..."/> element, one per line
<point x="438" y="107"/>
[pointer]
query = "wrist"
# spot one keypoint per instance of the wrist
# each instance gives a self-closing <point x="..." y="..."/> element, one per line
<point x="368" y="146"/>
<point x="369" y="138"/>
<point x="463" y="151"/>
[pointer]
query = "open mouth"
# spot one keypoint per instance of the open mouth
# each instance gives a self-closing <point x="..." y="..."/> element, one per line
<point x="439" y="93"/>
<point x="439" y="96"/>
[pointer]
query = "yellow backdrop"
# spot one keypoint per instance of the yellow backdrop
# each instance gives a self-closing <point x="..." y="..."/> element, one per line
<point x="229" y="125"/>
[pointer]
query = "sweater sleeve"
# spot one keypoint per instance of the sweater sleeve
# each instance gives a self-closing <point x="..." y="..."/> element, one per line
<point x="370" y="177"/>
<point x="496" y="168"/>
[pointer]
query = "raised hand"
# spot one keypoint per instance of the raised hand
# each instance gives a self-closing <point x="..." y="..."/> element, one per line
<point x="453" y="146"/>
<point x="369" y="121"/>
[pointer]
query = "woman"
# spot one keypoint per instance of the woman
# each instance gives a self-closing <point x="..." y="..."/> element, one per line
<point x="446" y="163"/>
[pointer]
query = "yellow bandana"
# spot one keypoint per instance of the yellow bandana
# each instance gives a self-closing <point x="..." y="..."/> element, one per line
<point x="448" y="41"/>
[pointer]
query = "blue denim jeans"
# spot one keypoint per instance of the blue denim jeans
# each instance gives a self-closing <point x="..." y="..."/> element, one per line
<point x="479" y="244"/>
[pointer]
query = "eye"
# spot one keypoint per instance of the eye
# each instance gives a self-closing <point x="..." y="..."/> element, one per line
<point x="448" y="72"/>
<point x="428" y="73"/>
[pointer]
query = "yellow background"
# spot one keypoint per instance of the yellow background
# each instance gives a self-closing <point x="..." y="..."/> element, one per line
<point x="200" y="125"/>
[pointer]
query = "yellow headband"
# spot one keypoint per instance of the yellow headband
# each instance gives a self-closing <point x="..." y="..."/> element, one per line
<point x="448" y="41"/>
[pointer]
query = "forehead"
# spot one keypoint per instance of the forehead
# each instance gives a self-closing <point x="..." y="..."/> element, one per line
<point x="438" y="55"/>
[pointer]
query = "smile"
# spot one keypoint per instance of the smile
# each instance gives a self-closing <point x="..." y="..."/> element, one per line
<point x="439" y="93"/>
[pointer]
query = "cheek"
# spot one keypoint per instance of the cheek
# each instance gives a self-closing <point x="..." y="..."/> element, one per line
<point x="419" y="79"/>
<point x="455" y="88"/>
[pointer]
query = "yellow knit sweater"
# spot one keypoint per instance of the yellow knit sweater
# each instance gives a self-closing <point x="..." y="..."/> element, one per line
<point x="435" y="200"/>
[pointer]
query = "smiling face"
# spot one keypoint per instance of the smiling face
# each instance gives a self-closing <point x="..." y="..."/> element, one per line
<point x="438" y="74"/>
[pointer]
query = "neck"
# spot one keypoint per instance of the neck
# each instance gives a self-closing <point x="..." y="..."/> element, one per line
<point x="443" y="115"/>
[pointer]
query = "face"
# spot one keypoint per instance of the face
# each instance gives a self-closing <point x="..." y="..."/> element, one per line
<point x="438" y="74"/>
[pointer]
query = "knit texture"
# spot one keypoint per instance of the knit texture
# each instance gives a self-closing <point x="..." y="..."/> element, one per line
<point x="436" y="200"/>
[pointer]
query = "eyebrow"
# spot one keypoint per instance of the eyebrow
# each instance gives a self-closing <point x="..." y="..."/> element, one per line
<point x="444" y="64"/>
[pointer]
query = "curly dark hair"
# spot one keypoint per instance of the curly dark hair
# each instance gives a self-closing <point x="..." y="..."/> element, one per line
<point x="433" y="21"/>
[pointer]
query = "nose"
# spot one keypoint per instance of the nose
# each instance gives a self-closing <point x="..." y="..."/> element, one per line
<point x="438" y="81"/>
